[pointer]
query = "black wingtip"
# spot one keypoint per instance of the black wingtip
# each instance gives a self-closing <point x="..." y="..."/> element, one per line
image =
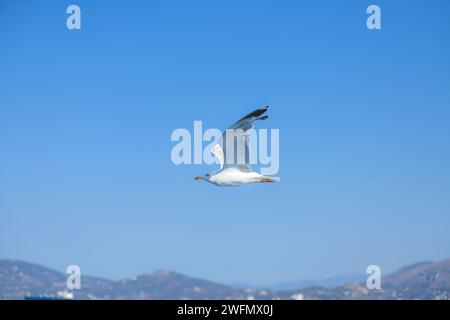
<point x="259" y="112"/>
<point x="255" y="114"/>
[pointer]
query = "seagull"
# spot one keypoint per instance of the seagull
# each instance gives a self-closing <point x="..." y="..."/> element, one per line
<point x="238" y="173"/>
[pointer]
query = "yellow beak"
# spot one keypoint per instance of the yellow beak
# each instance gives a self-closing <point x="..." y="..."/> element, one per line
<point x="198" y="178"/>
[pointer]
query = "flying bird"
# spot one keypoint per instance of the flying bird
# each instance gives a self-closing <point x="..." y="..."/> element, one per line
<point x="238" y="172"/>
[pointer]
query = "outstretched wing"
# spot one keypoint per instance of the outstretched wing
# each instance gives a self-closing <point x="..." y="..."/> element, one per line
<point x="217" y="151"/>
<point x="239" y="141"/>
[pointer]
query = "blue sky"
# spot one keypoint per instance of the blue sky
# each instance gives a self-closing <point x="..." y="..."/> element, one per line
<point x="86" y="118"/>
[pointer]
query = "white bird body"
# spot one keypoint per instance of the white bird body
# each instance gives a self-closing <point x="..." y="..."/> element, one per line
<point x="234" y="176"/>
<point x="239" y="173"/>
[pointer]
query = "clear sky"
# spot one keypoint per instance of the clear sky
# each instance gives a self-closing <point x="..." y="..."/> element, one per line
<point x="86" y="117"/>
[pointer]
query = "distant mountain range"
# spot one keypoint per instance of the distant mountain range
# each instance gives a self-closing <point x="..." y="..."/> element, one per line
<point x="330" y="282"/>
<point x="19" y="280"/>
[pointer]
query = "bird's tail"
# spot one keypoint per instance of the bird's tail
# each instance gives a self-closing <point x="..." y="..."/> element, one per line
<point x="270" y="179"/>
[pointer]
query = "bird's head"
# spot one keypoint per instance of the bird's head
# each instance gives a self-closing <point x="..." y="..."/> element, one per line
<point x="206" y="177"/>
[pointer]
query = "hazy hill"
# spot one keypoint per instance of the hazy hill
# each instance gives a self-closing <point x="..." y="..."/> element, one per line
<point x="425" y="280"/>
<point x="330" y="282"/>
<point x="18" y="279"/>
